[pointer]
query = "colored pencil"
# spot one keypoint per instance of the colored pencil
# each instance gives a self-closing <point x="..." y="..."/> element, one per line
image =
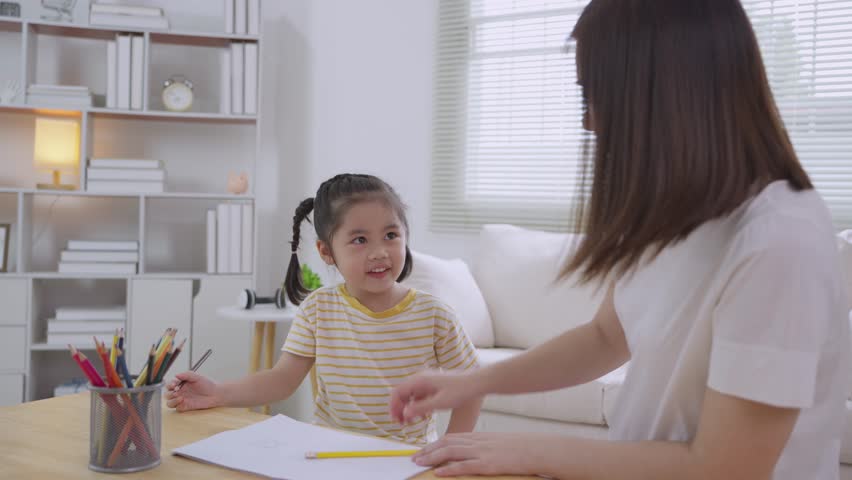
<point x="360" y="454"/>
<point x="150" y="372"/>
<point x="122" y="367"/>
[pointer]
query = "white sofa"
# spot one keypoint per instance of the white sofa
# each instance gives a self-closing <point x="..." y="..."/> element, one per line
<point x="509" y="302"/>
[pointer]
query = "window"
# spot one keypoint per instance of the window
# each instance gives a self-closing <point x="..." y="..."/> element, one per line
<point x="507" y="121"/>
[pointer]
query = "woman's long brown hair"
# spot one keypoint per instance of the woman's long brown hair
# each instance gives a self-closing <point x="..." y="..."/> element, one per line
<point x="685" y="123"/>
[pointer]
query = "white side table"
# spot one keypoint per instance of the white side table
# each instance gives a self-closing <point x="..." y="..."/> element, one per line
<point x="265" y="317"/>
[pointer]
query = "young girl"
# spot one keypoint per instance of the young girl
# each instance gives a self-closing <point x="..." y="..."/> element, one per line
<point x="720" y="266"/>
<point x="363" y="336"/>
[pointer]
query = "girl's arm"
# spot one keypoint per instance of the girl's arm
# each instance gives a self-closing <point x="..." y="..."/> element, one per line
<point x="736" y="439"/>
<point x="267" y="386"/>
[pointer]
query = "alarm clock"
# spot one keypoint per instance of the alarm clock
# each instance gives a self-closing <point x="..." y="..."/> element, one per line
<point x="177" y="94"/>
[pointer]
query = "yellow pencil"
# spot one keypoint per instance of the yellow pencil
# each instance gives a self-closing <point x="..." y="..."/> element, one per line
<point x="365" y="453"/>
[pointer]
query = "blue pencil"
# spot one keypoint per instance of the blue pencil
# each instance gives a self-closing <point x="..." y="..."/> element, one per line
<point x="122" y="367"/>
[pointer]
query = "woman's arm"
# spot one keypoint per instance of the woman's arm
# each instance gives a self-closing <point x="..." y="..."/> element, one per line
<point x="463" y="419"/>
<point x="737" y="439"/>
<point x="267" y="386"/>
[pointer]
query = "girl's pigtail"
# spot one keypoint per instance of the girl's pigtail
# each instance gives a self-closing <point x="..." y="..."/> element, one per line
<point x="293" y="285"/>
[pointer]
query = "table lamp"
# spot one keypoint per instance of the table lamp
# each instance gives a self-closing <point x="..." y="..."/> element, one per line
<point x="57" y="149"/>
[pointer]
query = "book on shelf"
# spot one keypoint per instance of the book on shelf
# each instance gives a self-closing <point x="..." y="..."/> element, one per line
<point x="123" y="186"/>
<point x="146" y="174"/>
<point x="250" y="79"/>
<point x="126" y="10"/>
<point x="77" y="339"/>
<point x="235" y="222"/>
<point x="58" y="89"/>
<point x="137" y="73"/>
<point x="58" y="101"/>
<point x="225" y="82"/>
<point x="116" y="313"/>
<point x="222" y="239"/>
<point x="124" y="163"/>
<point x="110" y="245"/>
<point x="98" y="256"/>
<point x="211" y="241"/>
<point x="97" y="268"/>
<point x="237" y="66"/>
<point x="112" y="81"/>
<point x="123" y="43"/>
<point x="246" y="243"/>
<point x="130" y="21"/>
<point x="253" y="17"/>
<point x="229" y="16"/>
<point x="240" y="14"/>
<point x="75" y="385"/>
<point x="82" y="326"/>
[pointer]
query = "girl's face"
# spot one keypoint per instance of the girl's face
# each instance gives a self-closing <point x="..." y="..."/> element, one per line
<point x="368" y="248"/>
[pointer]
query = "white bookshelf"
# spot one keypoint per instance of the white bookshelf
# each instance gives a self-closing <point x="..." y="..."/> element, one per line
<point x="198" y="149"/>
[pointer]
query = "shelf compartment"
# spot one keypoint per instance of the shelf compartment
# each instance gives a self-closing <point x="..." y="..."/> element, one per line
<point x="9" y="245"/>
<point x="53" y="220"/>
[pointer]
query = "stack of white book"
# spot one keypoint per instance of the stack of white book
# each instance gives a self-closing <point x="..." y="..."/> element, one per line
<point x="242" y="16"/>
<point x="125" y="71"/>
<point x="105" y="257"/>
<point x="229" y="238"/>
<point x="238" y="79"/>
<point x="77" y="325"/>
<point x="59" y="95"/>
<point x="125" y="175"/>
<point x="130" y="16"/>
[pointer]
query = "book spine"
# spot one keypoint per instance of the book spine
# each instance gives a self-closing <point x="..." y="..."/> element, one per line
<point x="137" y="65"/>
<point x="90" y="314"/>
<point x="146" y="174"/>
<point x="78" y="339"/>
<point x="82" y="326"/>
<point x="126" y="10"/>
<point x="250" y="102"/>
<point x="98" y="245"/>
<point x="123" y="163"/>
<point x="229" y="16"/>
<point x="123" y="72"/>
<point x="237" y="58"/>
<point x="254" y="17"/>
<point x="222" y="236"/>
<point x="211" y="241"/>
<point x="225" y="82"/>
<point x="246" y="241"/>
<point x="234" y="226"/>
<point x="240" y="14"/>
<point x="98" y="256"/>
<point x="129" y="21"/>
<point x="111" y="74"/>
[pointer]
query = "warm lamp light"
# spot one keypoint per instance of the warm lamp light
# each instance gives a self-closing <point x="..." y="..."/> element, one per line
<point x="57" y="149"/>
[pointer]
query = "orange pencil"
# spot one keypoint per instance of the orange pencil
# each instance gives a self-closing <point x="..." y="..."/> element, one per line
<point x="111" y="374"/>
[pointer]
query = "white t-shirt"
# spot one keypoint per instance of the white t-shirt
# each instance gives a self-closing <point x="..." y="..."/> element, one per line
<point x="751" y="305"/>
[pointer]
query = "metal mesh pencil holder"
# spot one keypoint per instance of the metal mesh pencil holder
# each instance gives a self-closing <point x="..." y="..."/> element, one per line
<point x="125" y="428"/>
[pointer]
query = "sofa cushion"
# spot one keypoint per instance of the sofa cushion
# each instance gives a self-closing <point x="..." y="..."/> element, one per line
<point x="582" y="404"/>
<point x="452" y="282"/>
<point x="516" y="270"/>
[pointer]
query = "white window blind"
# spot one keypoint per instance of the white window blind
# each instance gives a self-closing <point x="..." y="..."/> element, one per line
<point x="507" y="125"/>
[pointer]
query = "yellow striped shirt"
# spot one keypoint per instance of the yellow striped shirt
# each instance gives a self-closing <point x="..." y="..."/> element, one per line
<point x="361" y="355"/>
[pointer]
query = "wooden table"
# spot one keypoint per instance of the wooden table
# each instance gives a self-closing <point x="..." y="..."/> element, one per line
<point x="264" y="317"/>
<point x="50" y="439"/>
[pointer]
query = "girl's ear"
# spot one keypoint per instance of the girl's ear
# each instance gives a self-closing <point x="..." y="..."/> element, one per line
<point x="325" y="252"/>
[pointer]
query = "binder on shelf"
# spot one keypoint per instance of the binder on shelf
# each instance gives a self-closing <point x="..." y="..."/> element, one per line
<point x="246" y="241"/>
<point x="211" y="241"/>
<point x="124" y="163"/>
<point x="123" y="72"/>
<point x="144" y="174"/>
<point x="234" y="226"/>
<point x="112" y="313"/>
<point x="137" y="73"/>
<point x="95" y="268"/>
<point x="112" y="81"/>
<point x="123" y="186"/>
<point x="225" y="81"/>
<point x="222" y="239"/>
<point x="76" y="339"/>
<point x="126" y="10"/>
<point x="98" y="256"/>
<point x="130" y="21"/>
<point x="254" y="17"/>
<point x="237" y="58"/>
<point x="82" y="326"/>
<point x="229" y="16"/>
<point x="123" y="246"/>
<point x="240" y="13"/>
<point x="250" y="82"/>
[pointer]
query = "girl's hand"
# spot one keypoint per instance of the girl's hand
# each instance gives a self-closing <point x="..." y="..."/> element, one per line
<point x="480" y="454"/>
<point x="197" y="392"/>
<point x="427" y="392"/>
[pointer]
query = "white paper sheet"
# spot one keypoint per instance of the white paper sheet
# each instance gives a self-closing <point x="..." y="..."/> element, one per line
<point x="276" y="448"/>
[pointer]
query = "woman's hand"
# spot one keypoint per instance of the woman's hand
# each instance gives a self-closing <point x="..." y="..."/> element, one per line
<point x="197" y="392"/>
<point x="480" y="454"/>
<point x="427" y="392"/>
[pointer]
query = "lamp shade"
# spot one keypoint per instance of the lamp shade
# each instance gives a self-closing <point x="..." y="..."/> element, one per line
<point x="57" y="144"/>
